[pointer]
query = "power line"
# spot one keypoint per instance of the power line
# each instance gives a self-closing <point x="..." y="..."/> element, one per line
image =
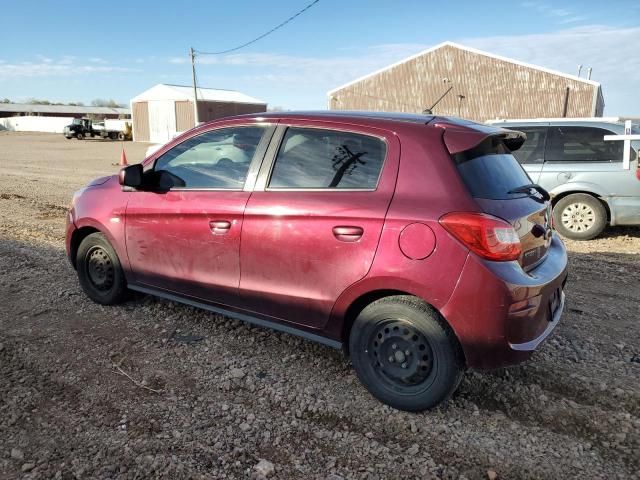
<point x="277" y="27"/>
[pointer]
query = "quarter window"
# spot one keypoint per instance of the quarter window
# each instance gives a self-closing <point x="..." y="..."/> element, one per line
<point x="582" y="144"/>
<point x="532" y="151"/>
<point x="327" y="159"/>
<point x="215" y="159"/>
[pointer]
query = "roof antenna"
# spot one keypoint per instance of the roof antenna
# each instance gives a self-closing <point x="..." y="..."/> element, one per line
<point x="579" y="69"/>
<point x="589" y="73"/>
<point x="429" y="111"/>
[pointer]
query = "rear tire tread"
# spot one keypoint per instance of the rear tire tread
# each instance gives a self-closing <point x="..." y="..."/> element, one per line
<point x="450" y="363"/>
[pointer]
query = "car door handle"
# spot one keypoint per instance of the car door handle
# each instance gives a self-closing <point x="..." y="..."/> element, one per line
<point x="220" y="226"/>
<point x="348" y="234"/>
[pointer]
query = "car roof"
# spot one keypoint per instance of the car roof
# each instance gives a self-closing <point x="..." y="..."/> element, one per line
<point x="460" y="134"/>
<point x="343" y="115"/>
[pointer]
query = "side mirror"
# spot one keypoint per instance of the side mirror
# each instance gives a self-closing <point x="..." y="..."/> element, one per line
<point x="131" y="176"/>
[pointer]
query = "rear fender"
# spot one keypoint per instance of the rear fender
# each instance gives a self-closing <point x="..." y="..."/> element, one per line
<point x="579" y="187"/>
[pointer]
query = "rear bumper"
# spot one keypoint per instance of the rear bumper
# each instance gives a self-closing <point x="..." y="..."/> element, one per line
<point x="624" y="210"/>
<point x="532" y="344"/>
<point x="502" y="314"/>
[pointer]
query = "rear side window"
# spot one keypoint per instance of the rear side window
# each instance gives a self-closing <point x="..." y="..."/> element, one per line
<point x="532" y="151"/>
<point x="582" y="144"/>
<point x="327" y="159"/>
<point x="491" y="171"/>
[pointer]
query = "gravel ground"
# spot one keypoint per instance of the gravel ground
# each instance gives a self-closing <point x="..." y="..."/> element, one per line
<point x="153" y="389"/>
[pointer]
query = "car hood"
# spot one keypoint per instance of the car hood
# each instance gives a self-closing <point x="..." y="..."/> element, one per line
<point x="100" y="181"/>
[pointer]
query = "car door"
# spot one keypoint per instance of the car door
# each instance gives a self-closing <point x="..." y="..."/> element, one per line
<point x="313" y="223"/>
<point x="531" y="154"/>
<point x="580" y="155"/>
<point x="183" y="231"/>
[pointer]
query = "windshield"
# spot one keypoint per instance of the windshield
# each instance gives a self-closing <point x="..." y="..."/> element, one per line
<point x="76" y="121"/>
<point x="490" y="171"/>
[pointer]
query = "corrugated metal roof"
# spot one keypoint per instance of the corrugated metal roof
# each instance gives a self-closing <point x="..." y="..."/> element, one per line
<point x="468" y="49"/>
<point x="70" y="109"/>
<point x="164" y="91"/>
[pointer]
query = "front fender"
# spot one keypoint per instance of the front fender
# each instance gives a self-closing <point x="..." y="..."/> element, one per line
<point x="103" y="207"/>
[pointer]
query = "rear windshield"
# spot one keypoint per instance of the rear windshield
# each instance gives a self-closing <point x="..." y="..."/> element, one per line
<point x="490" y="171"/>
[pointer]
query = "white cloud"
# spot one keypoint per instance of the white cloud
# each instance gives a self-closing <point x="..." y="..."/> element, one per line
<point x="65" y="66"/>
<point x="574" y="19"/>
<point x="549" y="11"/>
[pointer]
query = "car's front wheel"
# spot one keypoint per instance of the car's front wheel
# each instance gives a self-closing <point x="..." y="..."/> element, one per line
<point x="99" y="270"/>
<point x="579" y="216"/>
<point x="404" y="354"/>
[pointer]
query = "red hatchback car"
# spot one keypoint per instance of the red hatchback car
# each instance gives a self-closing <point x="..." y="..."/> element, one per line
<point x="416" y="243"/>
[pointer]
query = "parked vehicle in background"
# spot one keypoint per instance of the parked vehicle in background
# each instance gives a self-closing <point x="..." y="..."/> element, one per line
<point x="583" y="173"/>
<point x="326" y="225"/>
<point x="82" y="128"/>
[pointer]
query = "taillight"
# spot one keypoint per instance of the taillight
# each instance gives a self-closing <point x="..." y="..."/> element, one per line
<point x="485" y="235"/>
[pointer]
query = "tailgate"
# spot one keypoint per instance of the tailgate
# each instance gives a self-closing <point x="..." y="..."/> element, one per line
<point x="503" y="189"/>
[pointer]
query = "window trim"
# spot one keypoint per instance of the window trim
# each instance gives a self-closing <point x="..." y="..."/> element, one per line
<point x="264" y="177"/>
<point x="254" y="165"/>
<point x="592" y="127"/>
<point x="544" y="146"/>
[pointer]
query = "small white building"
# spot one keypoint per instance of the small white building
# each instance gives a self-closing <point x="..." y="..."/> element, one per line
<point x="164" y="110"/>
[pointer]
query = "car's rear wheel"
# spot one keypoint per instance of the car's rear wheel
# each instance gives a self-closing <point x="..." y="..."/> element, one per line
<point x="579" y="216"/>
<point x="404" y="354"/>
<point x="99" y="270"/>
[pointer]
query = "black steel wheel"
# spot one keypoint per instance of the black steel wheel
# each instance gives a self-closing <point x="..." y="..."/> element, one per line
<point x="79" y="136"/>
<point x="400" y="354"/>
<point x="405" y="354"/>
<point x="99" y="270"/>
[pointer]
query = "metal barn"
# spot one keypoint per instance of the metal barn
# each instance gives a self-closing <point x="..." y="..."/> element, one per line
<point x="452" y="79"/>
<point x="164" y="110"/>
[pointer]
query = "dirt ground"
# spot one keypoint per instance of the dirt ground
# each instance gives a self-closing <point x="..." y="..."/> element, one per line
<point x="120" y="392"/>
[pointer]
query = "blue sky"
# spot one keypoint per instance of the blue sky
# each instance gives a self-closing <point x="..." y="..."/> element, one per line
<point x="53" y="51"/>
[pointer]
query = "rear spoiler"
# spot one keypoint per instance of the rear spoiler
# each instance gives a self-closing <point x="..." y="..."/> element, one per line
<point x="461" y="135"/>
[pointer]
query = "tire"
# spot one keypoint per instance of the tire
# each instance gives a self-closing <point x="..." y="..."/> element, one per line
<point x="579" y="216"/>
<point x="68" y="138"/>
<point x="99" y="271"/>
<point x="404" y="354"/>
<point x="79" y="136"/>
<point x="121" y="136"/>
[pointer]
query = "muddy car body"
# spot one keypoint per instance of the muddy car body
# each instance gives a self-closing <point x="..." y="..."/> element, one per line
<point x="417" y="243"/>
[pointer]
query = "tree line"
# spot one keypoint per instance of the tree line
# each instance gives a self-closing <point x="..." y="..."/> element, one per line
<point x="98" y="102"/>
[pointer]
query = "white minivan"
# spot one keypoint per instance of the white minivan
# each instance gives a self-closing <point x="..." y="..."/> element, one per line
<point x="589" y="185"/>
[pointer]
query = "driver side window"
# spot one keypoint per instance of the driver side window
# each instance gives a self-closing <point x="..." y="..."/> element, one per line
<point x="215" y="159"/>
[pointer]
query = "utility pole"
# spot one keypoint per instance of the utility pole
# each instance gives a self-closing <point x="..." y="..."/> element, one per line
<point x="192" y="53"/>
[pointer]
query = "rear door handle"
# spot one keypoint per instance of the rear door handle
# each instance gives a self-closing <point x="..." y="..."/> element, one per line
<point x="220" y="227"/>
<point x="348" y="234"/>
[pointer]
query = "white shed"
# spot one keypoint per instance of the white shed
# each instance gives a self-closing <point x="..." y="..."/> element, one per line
<point x="164" y="110"/>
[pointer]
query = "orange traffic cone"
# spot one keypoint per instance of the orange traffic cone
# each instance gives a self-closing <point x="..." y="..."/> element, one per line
<point x="123" y="159"/>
